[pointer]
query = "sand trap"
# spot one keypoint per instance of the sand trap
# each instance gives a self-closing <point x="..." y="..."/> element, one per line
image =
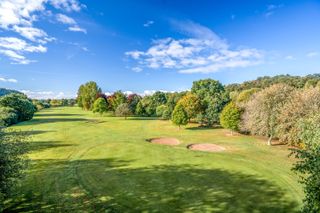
<point x="206" y="147"/>
<point x="165" y="141"/>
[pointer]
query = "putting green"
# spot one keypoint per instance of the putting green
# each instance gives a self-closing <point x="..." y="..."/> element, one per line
<point x="83" y="162"/>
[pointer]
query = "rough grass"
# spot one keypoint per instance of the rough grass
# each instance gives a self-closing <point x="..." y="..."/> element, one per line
<point x="82" y="162"/>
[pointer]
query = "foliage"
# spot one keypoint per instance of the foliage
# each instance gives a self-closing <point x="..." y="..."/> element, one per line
<point x="8" y="116"/>
<point x="87" y="94"/>
<point x="4" y="91"/>
<point x="191" y="103"/>
<point x="304" y="102"/>
<point x="213" y="98"/>
<point x="116" y="99"/>
<point x="140" y="110"/>
<point x="230" y="117"/>
<point x="13" y="146"/>
<point x="166" y="115"/>
<point x="133" y="101"/>
<point x="23" y="106"/>
<point x="160" y="110"/>
<point x="123" y="110"/>
<point x="264" y="82"/>
<point x="100" y="106"/>
<point x="179" y="116"/>
<point x="309" y="162"/>
<point x="245" y="95"/>
<point x="262" y="112"/>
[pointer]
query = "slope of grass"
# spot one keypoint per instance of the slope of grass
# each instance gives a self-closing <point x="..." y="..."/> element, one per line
<point x="83" y="162"/>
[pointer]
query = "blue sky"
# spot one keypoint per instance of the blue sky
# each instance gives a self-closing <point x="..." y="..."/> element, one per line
<point x="49" y="47"/>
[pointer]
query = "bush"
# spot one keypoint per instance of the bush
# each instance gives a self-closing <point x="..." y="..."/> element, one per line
<point x="8" y="116"/>
<point x="13" y="146"/>
<point x="24" y="107"/>
<point x="166" y="114"/>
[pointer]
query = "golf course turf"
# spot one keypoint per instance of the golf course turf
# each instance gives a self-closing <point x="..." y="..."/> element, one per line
<point x="87" y="163"/>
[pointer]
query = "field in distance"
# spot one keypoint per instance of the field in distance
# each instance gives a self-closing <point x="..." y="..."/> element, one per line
<point x="84" y="162"/>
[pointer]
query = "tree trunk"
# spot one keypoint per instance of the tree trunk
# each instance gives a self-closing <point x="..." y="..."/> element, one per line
<point x="269" y="140"/>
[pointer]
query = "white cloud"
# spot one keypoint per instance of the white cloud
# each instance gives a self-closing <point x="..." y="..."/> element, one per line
<point x="204" y="52"/>
<point x="148" y="23"/>
<point x="77" y="29"/>
<point x="46" y="94"/>
<point x="15" y="48"/>
<point x="271" y="9"/>
<point x="19" y="15"/>
<point x="137" y="69"/>
<point x="289" y="57"/>
<point x="312" y="54"/>
<point x="10" y="80"/>
<point x="65" y="19"/>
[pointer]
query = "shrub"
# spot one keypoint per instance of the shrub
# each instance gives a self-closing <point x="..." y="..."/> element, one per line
<point x="160" y="110"/>
<point x="166" y="114"/>
<point x="8" y="116"/>
<point x="24" y="107"/>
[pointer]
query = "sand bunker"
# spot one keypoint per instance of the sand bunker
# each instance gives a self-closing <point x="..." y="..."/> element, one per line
<point x="165" y="141"/>
<point x="206" y="147"/>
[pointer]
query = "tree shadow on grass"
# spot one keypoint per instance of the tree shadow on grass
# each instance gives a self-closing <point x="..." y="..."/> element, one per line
<point x="109" y="185"/>
<point x="56" y="115"/>
<point x="202" y="128"/>
<point x="142" y="118"/>
<point x="52" y="120"/>
<point x="44" y="145"/>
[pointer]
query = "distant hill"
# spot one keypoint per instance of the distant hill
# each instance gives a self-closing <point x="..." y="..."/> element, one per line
<point x="266" y="81"/>
<point x="4" y="91"/>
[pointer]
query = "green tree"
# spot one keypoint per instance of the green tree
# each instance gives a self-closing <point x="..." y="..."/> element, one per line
<point x="116" y="99"/>
<point x="140" y="110"/>
<point x="8" y="116"/>
<point x="308" y="164"/>
<point x="160" y="110"/>
<point x="100" y="106"/>
<point x="13" y="147"/>
<point x="191" y="104"/>
<point x="230" y="117"/>
<point x="179" y="116"/>
<point x="123" y="110"/>
<point x="262" y="112"/>
<point x="20" y="103"/>
<point x="213" y="98"/>
<point x="87" y="94"/>
<point x="245" y="95"/>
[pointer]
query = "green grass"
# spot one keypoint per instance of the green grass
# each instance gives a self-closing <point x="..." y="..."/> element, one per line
<point x="82" y="162"/>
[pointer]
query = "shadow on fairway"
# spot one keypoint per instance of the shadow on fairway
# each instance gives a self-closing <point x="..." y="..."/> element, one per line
<point x="51" y="120"/>
<point x="108" y="185"/>
<point x="142" y="118"/>
<point x="56" y="115"/>
<point x="43" y="145"/>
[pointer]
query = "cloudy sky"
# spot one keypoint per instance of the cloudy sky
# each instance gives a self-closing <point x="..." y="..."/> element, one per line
<point x="49" y="47"/>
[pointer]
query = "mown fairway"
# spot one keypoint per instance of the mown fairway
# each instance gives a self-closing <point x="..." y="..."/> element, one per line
<point x="83" y="162"/>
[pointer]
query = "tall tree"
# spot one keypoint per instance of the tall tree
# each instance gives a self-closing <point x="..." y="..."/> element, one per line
<point x="116" y="99"/>
<point x="262" y="112"/>
<point x="100" y="106"/>
<point x="308" y="164"/>
<point x="87" y="94"/>
<point x="179" y="116"/>
<point x="213" y="98"/>
<point x="191" y="104"/>
<point x="230" y="117"/>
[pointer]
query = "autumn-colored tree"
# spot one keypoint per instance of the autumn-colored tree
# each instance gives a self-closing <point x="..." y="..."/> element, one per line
<point x="304" y="102"/>
<point x="191" y="104"/>
<point x="262" y="112"/>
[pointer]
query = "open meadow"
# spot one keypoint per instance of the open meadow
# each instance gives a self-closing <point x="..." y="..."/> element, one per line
<point x="81" y="162"/>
